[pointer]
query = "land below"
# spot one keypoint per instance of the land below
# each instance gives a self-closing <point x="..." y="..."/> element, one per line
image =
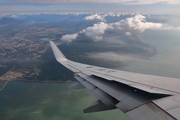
<point x="25" y="53"/>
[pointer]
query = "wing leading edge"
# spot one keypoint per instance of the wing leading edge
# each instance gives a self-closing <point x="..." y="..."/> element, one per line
<point x="139" y="96"/>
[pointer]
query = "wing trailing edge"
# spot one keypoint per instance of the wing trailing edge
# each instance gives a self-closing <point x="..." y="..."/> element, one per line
<point x="96" y="107"/>
<point x="76" y="85"/>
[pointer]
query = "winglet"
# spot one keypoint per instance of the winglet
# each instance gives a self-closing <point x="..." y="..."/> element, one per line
<point x="57" y="53"/>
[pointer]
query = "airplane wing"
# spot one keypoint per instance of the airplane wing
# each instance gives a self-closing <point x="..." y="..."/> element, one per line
<point x="139" y="96"/>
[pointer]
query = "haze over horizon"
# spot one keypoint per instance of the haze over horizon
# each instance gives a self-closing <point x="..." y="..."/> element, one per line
<point x="79" y="6"/>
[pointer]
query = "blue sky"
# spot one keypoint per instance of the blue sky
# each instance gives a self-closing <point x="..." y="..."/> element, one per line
<point x="128" y="6"/>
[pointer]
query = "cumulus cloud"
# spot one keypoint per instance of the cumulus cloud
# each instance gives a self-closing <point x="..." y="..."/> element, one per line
<point x="95" y="17"/>
<point x="127" y="33"/>
<point x="69" y="37"/>
<point x="136" y="24"/>
<point x="14" y="16"/>
<point x="96" y="31"/>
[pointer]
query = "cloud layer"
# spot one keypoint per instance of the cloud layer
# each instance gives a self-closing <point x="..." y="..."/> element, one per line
<point x="113" y="57"/>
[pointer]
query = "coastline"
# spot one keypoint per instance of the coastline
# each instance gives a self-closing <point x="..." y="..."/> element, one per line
<point x="37" y="81"/>
<point x="26" y="75"/>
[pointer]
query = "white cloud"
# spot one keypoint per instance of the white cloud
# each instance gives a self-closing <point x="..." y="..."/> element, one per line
<point x="113" y="14"/>
<point x="14" y="16"/>
<point x="69" y="37"/>
<point x="95" y="17"/>
<point x="96" y="31"/>
<point x="136" y="24"/>
<point x="128" y="33"/>
<point x="101" y="16"/>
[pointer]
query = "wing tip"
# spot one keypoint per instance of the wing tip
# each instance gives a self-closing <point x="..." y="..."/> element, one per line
<point x="57" y="53"/>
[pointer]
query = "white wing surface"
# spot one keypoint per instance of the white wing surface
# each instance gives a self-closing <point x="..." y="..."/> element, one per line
<point x="139" y="96"/>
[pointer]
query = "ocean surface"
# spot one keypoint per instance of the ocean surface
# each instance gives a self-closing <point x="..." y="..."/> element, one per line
<point x="51" y="101"/>
<point x="167" y="61"/>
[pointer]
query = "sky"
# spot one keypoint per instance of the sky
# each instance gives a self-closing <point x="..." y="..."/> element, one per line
<point x="53" y="6"/>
